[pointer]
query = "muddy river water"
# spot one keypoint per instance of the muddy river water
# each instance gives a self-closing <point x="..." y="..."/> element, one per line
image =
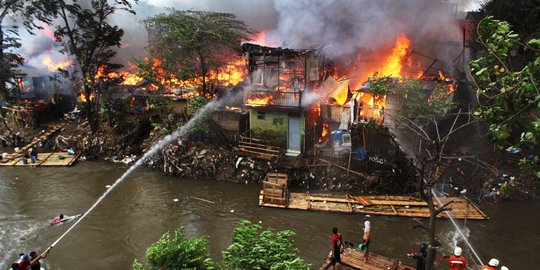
<point x="142" y="208"/>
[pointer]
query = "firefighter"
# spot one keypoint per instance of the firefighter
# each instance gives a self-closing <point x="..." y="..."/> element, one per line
<point x="456" y="261"/>
<point x="491" y="265"/>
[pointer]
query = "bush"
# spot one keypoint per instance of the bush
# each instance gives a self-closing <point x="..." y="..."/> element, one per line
<point x="255" y="248"/>
<point x="177" y="253"/>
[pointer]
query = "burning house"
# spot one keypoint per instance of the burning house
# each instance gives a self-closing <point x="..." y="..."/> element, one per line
<point x="281" y="82"/>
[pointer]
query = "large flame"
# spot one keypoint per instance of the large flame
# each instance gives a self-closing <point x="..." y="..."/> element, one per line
<point x="261" y="39"/>
<point x="259" y="101"/>
<point x="385" y="63"/>
<point x="55" y="66"/>
<point x="228" y="75"/>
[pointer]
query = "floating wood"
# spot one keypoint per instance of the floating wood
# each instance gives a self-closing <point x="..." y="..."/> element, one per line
<point x="405" y="206"/>
<point x="354" y="259"/>
<point x="23" y="150"/>
<point x="55" y="159"/>
<point x="275" y="189"/>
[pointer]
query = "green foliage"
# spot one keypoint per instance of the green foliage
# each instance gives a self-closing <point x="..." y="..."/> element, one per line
<point x="86" y="35"/>
<point x="9" y="40"/>
<point x="510" y="99"/>
<point x="177" y="253"/>
<point x="379" y="85"/>
<point x="252" y="248"/>
<point x="166" y="121"/>
<point x="190" y="43"/>
<point x="114" y="113"/>
<point x="194" y="104"/>
<point x="255" y="248"/>
<point x="420" y="105"/>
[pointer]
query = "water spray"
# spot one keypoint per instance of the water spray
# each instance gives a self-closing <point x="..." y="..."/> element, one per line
<point x="169" y="138"/>
<point x="460" y="232"/>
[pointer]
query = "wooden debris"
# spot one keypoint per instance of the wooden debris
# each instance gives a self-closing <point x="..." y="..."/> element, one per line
<point x="201" y="199"/>
<point x="405" y="206"/>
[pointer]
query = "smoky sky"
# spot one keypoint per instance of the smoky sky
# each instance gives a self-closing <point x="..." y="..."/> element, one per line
<point x="340" y="27"/>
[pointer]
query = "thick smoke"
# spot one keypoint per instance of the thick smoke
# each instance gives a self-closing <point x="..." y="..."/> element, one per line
<point x="341" y="27"/>
<point x="345" y="27"/>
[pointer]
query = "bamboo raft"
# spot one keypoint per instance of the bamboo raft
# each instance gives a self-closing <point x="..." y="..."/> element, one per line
<point x="354" y="259"/>
<point x="43" y="159"/>
<point x="275" y="194"/>
<point x="55" y="159"/>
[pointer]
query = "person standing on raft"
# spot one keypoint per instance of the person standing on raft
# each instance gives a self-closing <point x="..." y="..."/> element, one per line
<point x="337" y="247"/>
<point x="366" y="240"/>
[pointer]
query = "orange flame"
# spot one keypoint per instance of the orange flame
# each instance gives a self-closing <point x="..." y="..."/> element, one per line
<point x="386" y="63"/>
<point x="259" y="101"/>
<point x="55" y="66"/>
<point x="229" y="75"/>
<point x="324" y="132"/>
<point x="82" y="97"/>
<point x="261" y="39"/>
<point x="451" y="87"/>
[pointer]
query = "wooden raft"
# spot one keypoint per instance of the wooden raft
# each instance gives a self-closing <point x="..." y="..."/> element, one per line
<point x="354" y="259"/>
<point x="405" y="206"/>
<point x="54" y="159"/>
<point x="275" y="189"/>
<point x="23" y="150"/>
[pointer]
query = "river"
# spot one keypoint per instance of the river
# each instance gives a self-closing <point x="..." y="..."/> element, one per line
<point x="143" y="207"/>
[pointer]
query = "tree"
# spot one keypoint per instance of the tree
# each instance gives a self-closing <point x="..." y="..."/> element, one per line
<point x="429" y="119"/>
<point x="9" y="39"/>
<point x="88" y="37"/>
<point x="509" y="96"/>
<point x="177" y="253"/>
<point x="251" y="248"/>
<point x="254" y="248"/>
<point x="191" y="43"/>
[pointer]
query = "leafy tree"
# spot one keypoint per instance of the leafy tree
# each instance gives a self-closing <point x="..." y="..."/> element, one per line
<point x="509" y="98"/>
<point x="88" y="37"/>
<point x="17" y="10"/>
<point x="255" y="248"/>
<point x="422" y="114"/>
<point x="177" y="253"/>
<point x="523" y="14"/>
<point x="191" y="43"/>
<point x="252" y="248"/>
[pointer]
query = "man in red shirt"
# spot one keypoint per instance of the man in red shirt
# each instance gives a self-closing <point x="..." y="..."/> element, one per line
<point x="456" y="261"/>
<point x="24" y="262"/>
<point x="337" y="247"/>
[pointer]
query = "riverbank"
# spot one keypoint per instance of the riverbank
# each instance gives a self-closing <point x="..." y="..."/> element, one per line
<point x="200" y="156"/>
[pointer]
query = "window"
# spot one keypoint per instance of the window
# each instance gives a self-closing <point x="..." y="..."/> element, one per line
<point x="278" y="121"/>
<point x="261" y="115"/>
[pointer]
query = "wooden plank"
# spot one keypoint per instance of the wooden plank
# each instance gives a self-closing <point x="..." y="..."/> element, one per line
<point x="258" y="148"/>
<point x="343" y="168"/>
<point x="344" y="204"/>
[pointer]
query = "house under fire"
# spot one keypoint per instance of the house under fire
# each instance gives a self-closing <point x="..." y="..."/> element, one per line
<point x="280" y="79"/>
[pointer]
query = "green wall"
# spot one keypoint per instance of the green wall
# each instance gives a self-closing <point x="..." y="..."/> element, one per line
<point x="274" y="127"/>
